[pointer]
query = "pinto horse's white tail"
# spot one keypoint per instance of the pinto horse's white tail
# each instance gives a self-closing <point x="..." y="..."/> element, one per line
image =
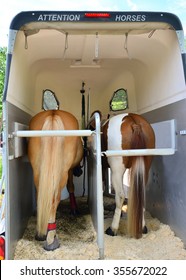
<point x="50" y="172"/>
<point x="136" y="197"/>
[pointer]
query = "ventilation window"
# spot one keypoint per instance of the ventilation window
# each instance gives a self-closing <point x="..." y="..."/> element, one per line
<point x="50" y="101"/>
<point x="119" y="100"/>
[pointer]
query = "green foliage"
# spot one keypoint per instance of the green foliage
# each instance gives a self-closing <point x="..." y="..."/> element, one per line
<point x="3" y="51"/>
<point x="119" y="100"/>
<point x="1" y="167"/>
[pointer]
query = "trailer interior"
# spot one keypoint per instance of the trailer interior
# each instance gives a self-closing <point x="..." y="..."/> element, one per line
<point x="143" y="58"/>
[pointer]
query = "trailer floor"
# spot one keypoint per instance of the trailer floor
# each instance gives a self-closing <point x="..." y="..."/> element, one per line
<point x="78" y="238"/>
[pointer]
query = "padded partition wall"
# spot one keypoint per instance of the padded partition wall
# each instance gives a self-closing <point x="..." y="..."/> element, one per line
<point x="166" y="192"/>
<point x="19" y="184"/>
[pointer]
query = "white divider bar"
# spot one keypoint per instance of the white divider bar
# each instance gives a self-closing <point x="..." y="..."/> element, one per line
<point x="42" y="133"/>
<point x="139" y="152"/>
<point x="99" y="186"/>
<point x="95" y="184"/>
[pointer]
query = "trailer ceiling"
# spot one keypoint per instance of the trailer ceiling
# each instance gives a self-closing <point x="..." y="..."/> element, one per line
<point x="101" y="28"/>
<point x="86" y="43"/>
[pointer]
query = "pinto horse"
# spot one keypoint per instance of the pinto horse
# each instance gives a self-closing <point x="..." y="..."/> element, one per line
<point x="53" y="160"/>
<point x="124" y="132"/>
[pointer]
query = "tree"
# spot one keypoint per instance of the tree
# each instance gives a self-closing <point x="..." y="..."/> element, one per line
<point x="3" y="52"/>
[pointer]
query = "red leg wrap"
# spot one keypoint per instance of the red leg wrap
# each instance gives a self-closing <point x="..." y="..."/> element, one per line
<point x="51" y="226"/>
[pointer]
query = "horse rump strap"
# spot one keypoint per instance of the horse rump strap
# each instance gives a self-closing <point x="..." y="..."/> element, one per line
<point x="51" y="226"/>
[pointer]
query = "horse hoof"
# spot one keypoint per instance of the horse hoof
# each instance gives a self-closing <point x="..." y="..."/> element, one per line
<point x="74" y="212"/>
<point x="145" y="230"/>
<point x="110" y="232"/>
<point x="40" y="237"/>
<point x="53" y="246"/>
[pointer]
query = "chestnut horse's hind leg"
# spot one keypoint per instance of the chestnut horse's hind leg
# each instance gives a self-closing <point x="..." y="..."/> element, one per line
<point x="52" y="241"/>
<point x="70" y="187"/>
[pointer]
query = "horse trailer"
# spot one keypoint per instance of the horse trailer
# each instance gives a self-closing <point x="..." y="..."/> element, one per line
<point x="85" y="59"/>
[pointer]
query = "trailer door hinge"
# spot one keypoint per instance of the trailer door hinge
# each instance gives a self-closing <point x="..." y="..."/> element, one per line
<point x="182" y="132"/>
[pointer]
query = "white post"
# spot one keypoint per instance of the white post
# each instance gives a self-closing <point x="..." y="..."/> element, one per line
<point x="100" y="210"/>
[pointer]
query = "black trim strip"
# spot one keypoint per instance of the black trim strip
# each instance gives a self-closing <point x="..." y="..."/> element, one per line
<point x="33" y="16"/>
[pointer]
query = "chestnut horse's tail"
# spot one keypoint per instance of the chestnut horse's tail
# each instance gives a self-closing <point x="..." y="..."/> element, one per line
<point x="137" y="186"/>
<point x="50" y="172"/>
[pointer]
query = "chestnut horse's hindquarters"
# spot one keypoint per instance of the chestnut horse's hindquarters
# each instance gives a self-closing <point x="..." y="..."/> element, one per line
<point x="52" y="159"/>
<point x="136" y="199"/>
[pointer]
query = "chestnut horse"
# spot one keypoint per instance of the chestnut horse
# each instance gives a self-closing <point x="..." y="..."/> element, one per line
<point x="53" y="160"/>
<point x="124" y="132"/>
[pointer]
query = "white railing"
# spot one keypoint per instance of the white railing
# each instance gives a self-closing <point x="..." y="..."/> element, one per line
<point x="139" y="152"/>
<point x="42" y="133"/>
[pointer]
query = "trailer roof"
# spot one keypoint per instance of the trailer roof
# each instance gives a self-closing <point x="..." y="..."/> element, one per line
<point x="46" y="19"/>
